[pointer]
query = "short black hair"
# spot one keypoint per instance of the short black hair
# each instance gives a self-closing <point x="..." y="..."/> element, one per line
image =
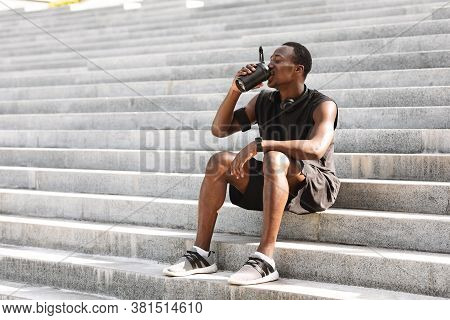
<point x="301" y="55"/>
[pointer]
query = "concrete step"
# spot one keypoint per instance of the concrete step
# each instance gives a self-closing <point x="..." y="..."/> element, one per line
<point x="157" y="56"/>
<point x="186" y="30"/>
<point x="441" y="13"/>
<point x="193" y="34"/>
<point x="104" y="32"/>
<point x="34" y="72"/>
<point x="206" y="78"/>
<point x="424" y="232"/>
<point x="116" y="14"/>
<point x="398" y="141"/>
<point x="354" y="33"/>
<point x="64" y="12"/>
<point x="87" y="20"/>
<point x="397" y="266"/>
<point x="387" y="61"/>
<point x="292" y="18"/>
<point x="428" y="233"/>
<point x="373" y="62"/>
<point x="405" y="29"/>
<point x="413" y="118"/>
<point x="345" y="98"/>
<point x="23" y="291"/>
<point x="99" y="87"/>
<point x="418" y="167"/>
<point x="372" y="194"/>
<point x="217" y="30"/>
<point x="393" y="97"/>
<point x="53" y="65"/>
<point x="162" y="36"/>
<point x="407" y="9"/>
<point x="178" y="8"/>
<point x="349" y="118"/>
<point x="11" y="16"/>
<point x="180" y="20"/>
<point x="365" y="46"/>
<point x="142" y="279"/>
<point x="376" y="62"/>
<point x="133" y="18"/>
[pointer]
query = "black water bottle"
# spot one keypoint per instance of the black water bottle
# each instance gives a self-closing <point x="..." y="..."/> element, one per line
<point x="261" y="74"/>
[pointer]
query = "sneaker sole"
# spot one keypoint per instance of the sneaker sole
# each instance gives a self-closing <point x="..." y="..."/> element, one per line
<point x="210" y="269"/>
<point x="271" y="277"/>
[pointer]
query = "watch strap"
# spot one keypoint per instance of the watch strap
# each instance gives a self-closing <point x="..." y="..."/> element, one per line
<point x="259" y="147"/>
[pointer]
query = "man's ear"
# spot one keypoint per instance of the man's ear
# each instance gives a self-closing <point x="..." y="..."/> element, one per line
<point x="300" y="68"/>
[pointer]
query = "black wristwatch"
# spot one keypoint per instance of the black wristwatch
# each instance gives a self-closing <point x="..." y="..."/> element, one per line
<point x="259" y="147"/>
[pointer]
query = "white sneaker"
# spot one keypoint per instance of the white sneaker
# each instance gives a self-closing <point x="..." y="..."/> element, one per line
<point x="254" y="271"/>
<point x="192" y="263"/>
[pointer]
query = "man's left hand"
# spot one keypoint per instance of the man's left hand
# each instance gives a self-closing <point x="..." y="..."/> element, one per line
<point x="237" y="166"/>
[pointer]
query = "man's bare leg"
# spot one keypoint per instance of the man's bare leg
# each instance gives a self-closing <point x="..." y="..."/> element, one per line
<point x="212" y="194"/>
<point x="211" y="199"/>
<point x="281" y="176"/>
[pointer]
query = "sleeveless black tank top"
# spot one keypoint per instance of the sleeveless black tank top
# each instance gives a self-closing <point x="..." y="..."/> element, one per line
<point x="295" y="122"/>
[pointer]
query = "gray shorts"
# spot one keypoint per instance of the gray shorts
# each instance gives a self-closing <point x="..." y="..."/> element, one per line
<point x="317" y="192"/>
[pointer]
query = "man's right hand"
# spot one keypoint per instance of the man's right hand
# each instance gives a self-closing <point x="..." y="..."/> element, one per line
<point x="248" y="69"/>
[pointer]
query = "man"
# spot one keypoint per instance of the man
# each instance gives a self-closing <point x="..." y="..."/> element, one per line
<point x="297" y="173"/>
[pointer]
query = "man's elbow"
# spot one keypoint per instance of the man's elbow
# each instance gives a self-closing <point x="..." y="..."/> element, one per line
<point x="317" y="156"/>
<point x="216" y="132"/>
<point x="317" y="153"/>
<point x="309" y="156"/>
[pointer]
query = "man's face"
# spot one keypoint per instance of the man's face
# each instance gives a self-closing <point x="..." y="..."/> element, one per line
<point x="283" y="68"/>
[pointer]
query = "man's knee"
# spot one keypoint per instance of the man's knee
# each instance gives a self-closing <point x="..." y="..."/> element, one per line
<point x="275" y="162"/>
<point x="219" y="162"/>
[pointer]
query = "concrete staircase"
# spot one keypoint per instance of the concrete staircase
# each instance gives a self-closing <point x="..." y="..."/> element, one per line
<point x="104" y="137"/>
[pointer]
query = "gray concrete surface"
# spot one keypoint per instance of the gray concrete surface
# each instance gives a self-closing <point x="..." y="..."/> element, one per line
<point x="73" y="139"/>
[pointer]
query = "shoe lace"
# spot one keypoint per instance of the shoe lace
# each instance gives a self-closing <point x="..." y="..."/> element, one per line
<point x="196" y="259"/>
<point x="260" y="265"/>
<point x="252" y="262"/>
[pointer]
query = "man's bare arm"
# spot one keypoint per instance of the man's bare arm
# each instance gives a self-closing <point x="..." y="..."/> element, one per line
<point x="224" y="123"/>
<point x="321" y="136"/>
